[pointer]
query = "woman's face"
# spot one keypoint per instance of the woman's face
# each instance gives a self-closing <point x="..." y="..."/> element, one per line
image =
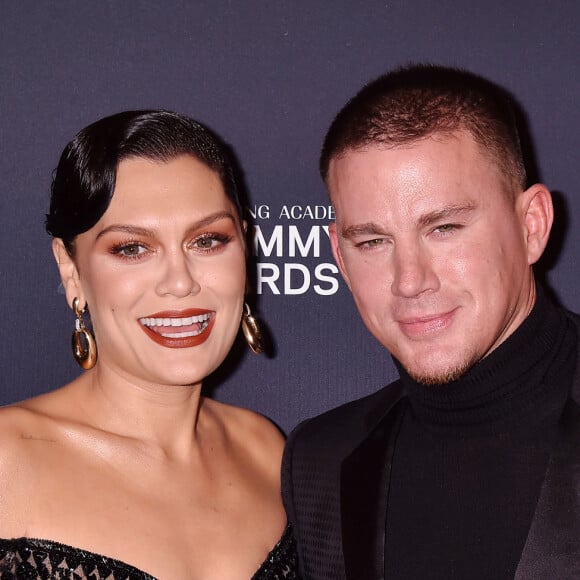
<point x="162" y="272"/>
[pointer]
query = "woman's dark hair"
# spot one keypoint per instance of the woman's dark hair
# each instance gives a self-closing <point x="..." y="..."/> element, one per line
<point x="84" y="181"/>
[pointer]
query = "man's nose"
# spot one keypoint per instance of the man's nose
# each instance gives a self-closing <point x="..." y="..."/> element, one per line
<point x="413" y="271"/>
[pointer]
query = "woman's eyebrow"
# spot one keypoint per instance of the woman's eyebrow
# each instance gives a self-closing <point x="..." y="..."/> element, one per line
<point x="147" y="232"/>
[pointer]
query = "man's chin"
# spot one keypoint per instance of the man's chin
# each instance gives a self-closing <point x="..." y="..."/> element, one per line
<point x="438" y="377"/>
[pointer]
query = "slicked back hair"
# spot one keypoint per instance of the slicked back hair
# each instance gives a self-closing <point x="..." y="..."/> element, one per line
<point x="84" y="181"/>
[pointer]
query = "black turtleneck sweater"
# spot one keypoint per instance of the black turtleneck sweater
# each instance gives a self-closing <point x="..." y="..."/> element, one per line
<point x="471" y="456"/>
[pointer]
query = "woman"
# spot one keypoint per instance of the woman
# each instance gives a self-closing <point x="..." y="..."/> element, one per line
<point x="128" y="471"/>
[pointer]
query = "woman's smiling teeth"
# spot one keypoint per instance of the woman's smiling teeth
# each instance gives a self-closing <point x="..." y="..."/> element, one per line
<point x="159" y="325"/>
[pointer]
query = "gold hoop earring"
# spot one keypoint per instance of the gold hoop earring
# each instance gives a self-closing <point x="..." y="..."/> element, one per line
<point x="252" y="332"/>
<point x="83" y="342"/>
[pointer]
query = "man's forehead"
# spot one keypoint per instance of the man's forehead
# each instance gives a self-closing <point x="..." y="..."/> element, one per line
<point x="442" y="158"/>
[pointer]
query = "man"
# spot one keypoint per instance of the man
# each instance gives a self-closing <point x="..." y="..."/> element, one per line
<point x="468" y="467"/>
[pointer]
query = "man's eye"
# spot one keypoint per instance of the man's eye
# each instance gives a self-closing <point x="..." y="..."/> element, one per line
<point x="445" y="228"/>
<point x="371" y="243"/>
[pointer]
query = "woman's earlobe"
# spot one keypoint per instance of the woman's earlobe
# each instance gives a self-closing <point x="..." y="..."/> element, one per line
<point x="69" y="274"/>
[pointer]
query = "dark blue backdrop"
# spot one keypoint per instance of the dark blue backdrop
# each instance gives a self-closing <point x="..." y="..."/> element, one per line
<point x="268" y="76"/>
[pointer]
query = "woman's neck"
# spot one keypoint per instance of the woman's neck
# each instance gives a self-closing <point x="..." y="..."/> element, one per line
<point x="163" y="417"/>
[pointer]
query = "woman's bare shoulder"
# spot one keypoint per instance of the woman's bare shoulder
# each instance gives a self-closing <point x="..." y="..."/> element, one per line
<point x="249" y="428"/>
<point x="35" y="419"/>
<point x="17" y="420"/>
<point x="25" y="433"/>
<point x="251" y="422"/>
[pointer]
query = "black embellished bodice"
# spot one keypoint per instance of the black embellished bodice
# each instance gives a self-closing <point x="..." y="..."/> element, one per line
<point x="31" y="559"/>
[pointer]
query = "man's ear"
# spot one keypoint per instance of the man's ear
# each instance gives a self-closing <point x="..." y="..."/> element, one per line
<point x="337" y="253"/>
<point x="69" y="273"/>
<point x="538" y="216"/>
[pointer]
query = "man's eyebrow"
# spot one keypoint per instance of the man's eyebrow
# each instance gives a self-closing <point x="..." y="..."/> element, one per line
<point x="147" y="232"/>
<point x="445" y="213"/>
<point x="367" y="229"/>
<point x="375" y="229"/>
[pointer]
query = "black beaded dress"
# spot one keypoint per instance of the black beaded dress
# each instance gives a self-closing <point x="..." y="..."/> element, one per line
<point x="32" y="559"/>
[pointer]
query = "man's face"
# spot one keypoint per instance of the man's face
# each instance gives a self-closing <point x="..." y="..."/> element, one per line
<point x="436" y="253"/>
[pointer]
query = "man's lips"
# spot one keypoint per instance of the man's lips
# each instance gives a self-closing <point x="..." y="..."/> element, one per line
<point x="179" y="328"/>
<point x="426" y="325"/>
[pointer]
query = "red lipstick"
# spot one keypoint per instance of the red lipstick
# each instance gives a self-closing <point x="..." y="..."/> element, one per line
<point x="179" y="328"/>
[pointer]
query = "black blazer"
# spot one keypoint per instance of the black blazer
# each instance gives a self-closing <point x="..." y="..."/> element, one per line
<point x="336" y="484"/>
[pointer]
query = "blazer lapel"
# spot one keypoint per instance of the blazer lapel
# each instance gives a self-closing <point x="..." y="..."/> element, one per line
<point x="552" y="549"/>
<point x="365" y="477"/>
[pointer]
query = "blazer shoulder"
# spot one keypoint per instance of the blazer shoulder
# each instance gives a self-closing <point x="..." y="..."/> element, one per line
<point x="344" y="426"/>
<point x="575" y="391"/>
<point x="311" y="471"/>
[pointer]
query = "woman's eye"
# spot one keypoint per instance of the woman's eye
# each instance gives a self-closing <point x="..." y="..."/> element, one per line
<point x="129" y="250"/>
<point x="206" y="243"/>
<point x="210" y="242"/>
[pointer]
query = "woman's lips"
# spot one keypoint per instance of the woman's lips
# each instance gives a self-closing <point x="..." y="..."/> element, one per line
<point x="179" y="329"/>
